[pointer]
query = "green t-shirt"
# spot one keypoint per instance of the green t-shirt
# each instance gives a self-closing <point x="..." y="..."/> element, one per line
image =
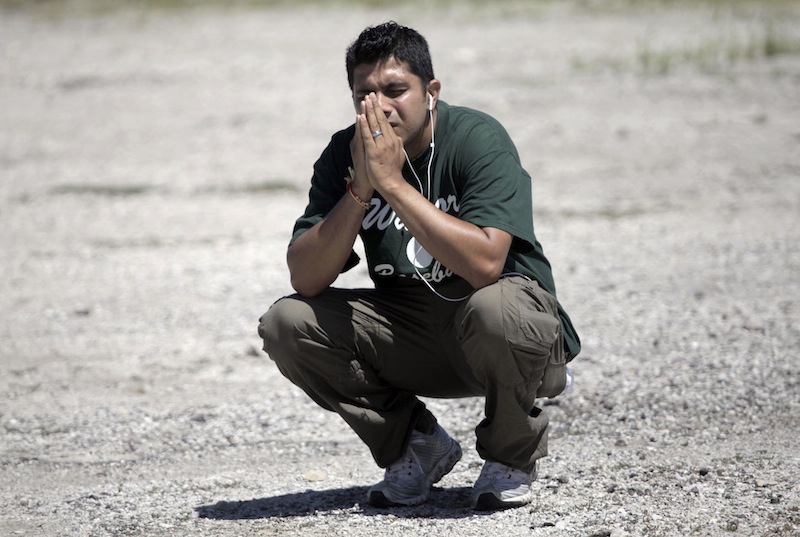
<point x="476" y="175"/>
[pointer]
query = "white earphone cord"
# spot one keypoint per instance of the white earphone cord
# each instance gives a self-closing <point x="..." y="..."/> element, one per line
<point x="419" y="247"/>
<point x="428" y="197"/>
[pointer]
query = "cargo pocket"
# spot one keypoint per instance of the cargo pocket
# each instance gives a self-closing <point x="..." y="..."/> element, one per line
<point x="534" y="335"/>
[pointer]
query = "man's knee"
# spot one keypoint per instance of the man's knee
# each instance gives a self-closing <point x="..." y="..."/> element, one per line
<point x="280" y="325"/>
<point x="506" y="332"/>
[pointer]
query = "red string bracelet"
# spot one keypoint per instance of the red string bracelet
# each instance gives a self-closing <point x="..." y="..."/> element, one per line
<point x="361" y="202"/>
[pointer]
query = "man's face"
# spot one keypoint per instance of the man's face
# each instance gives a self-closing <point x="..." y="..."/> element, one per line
<point x="402" y="98"/>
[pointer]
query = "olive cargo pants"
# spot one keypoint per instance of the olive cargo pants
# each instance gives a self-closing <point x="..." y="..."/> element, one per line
<point x="368" y="353"/>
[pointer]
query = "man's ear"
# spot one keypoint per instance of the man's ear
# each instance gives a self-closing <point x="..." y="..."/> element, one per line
<point x="433" y="89"/>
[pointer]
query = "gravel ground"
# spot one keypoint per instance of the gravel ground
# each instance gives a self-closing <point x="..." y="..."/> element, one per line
<point x="153" y="161"/>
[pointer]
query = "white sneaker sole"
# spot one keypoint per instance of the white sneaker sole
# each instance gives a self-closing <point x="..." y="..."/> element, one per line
<point x="488" y="501"/>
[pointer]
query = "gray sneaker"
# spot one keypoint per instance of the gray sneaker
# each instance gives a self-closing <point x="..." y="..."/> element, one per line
<point x="502" y="487"/>
<point x="428" y="458"/>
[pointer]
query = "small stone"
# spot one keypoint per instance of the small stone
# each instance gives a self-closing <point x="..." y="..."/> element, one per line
<point x="315" y="474"/>
<point x="765" y="483"/>
<point x="692" y="489"/>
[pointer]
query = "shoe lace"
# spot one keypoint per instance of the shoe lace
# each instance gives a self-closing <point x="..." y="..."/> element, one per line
<point x="406" y="467"/>
<point x="409" y="466"/>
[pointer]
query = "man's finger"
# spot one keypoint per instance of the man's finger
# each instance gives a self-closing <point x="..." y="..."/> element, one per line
<point x="372" y="111"/>
<point x="378" y="122"/>
<point x="364" y="130"/>
<point x="381" y="123"/>
<point x="357" y="137"/>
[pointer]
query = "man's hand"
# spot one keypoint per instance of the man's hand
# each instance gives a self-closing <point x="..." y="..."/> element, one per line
<point x="384" y="157"/>
<point x="361" y="184"/>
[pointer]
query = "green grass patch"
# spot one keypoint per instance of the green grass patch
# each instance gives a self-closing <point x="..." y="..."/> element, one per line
<point x="101" y="190"/>
<point x="716" y="54"/>
<point x="267" y="186"/>
<point x="601" y="213"/>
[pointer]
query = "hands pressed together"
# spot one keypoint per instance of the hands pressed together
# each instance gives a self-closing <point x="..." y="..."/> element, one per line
<point x="377" y="151"/>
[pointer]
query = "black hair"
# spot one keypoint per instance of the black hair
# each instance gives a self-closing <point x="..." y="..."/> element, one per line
<point x="387" y="40"/>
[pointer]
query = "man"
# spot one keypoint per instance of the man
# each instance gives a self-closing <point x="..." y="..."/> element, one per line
<point x="464" y="300"/>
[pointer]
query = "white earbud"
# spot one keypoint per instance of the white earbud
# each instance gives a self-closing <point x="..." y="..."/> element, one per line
<point x="430" y="102"/>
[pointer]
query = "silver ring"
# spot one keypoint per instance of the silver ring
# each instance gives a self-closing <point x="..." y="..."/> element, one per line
<point x="377" y="133"/>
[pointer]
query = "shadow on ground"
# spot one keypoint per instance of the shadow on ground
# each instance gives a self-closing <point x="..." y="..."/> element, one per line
<point x="444" y="504"/>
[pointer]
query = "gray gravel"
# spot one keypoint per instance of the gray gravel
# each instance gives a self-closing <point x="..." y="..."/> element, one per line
<point x="153" y="161"/>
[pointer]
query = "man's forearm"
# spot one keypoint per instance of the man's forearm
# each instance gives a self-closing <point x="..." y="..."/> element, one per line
<point x="317" y="257"/>
<point x="474" y="253"/>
